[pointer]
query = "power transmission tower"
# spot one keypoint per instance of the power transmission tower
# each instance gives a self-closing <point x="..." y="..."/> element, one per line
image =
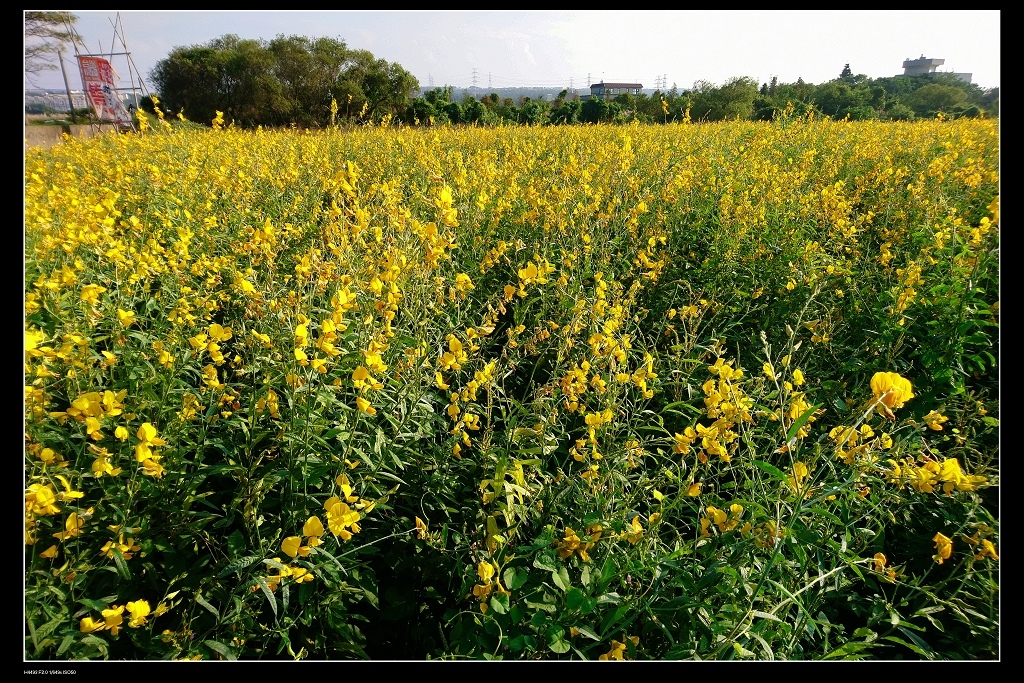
<point x="474" y="77"/>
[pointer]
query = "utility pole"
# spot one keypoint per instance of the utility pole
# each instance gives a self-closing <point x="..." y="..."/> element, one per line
<point x="67" y="88"/>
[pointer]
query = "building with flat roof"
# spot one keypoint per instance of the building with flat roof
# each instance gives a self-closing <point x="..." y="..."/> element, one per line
<point x="610" y="91"/>
<point x="924" y="65"/>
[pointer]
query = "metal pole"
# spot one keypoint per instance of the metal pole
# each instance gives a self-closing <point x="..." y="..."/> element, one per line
<point x="67" y="88"/>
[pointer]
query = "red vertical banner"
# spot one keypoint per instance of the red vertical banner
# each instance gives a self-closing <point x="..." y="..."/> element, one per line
<point x="99" y="80"/>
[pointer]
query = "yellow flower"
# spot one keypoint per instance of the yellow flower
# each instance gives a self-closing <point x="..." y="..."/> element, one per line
<point x="634" y="531"/>
<point x="616" y="653"/>
<point x="113" y="619"/>
<point x="152" y="468"/>
<point x="485" y="570"/>
<point x="138" y="610"/>
<point x="943" y="546"/>
<point x="313" y="527"/>
<point x="291" y="545"/>
<point x="364" y="406"/>
<point x="72" y="526"/>
<point x="88" y="625"/>
<point x="934" y="420"/>
<point x="127" y="317"/>
<point x="891" y="391"/>
<point x="987" y="550"/>
<point x="40" y="499"/>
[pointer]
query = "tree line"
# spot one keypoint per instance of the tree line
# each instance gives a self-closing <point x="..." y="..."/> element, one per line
<point x="319" y="82"/>
<point x="896" y="98"/>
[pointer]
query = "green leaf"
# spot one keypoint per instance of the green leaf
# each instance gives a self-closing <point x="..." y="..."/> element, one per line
<point x="607" y="572"/>
<point x="849" y="651"/>
<point x="765" y="615"/>
<point x="795" y="427"/>
<point x="772" y="470"/>
<point x="911" y="646"/>
<point x="588" y="632"/>
<point x="202" y="601"/>
<point x="268" y="594"/>
<point x="221" y="649"/>
<point x="122" y="566"/>
<point x="742" y="651"/>
<point x="68" y="639"/>
<point x="522" y="642"/>
<point x="96" y="642"/>
<point x="556" y="639"/>
<point x="916" y="639"/>
<point x="561" y="579"/>
<point x="238" y="565"/>
<point x="546" y="560"/>
<point x="499" y="603"/>
<point x="574" y="598"/>
<point x="515" y="579"/>
<point x="95" y="605"/>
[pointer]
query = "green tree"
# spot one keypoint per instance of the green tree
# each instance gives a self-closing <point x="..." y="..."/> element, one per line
<point x="453" y="110"/>
<point x="46" y="32"/>
<point x="386" y="87"/>
<point x="846" y="73"/>
<point x="935" y="97"/>
<point x="310" y="73"/>
<point x="838" y="100"/>
<point x="439" y="95"/>
<point x="534" y="112"/>
<point x="899" y="112"/>
<point x="568" y="113"/>
<point x="594" y="110"/>
<point x="290" y="80"/>
<point x="734" y="100"/>
<point x="474" y="111"/>
<point x="248" y="92"/>
<point x="187" y="80"/>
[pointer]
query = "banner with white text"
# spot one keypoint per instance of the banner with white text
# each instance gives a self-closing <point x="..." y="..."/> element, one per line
<point x="99" y="80"/>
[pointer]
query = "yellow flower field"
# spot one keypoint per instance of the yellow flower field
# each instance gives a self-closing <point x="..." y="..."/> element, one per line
<point x="595" y="392"/>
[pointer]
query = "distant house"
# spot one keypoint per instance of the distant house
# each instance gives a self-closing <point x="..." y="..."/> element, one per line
<point x="925" y="65"/>
<point x="609" y="91"/>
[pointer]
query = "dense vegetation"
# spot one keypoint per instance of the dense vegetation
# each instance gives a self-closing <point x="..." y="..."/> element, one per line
<point x="294" y="81"/>
<point x="607" y="392"/>
<point x="897" y="98"/>
<point x="286" y="81"/>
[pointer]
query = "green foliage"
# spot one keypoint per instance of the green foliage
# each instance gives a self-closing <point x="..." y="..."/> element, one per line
<point x="286" y="81"/>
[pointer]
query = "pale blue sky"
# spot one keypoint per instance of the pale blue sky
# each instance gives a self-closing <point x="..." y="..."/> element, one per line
<point x="563" y="48"/>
